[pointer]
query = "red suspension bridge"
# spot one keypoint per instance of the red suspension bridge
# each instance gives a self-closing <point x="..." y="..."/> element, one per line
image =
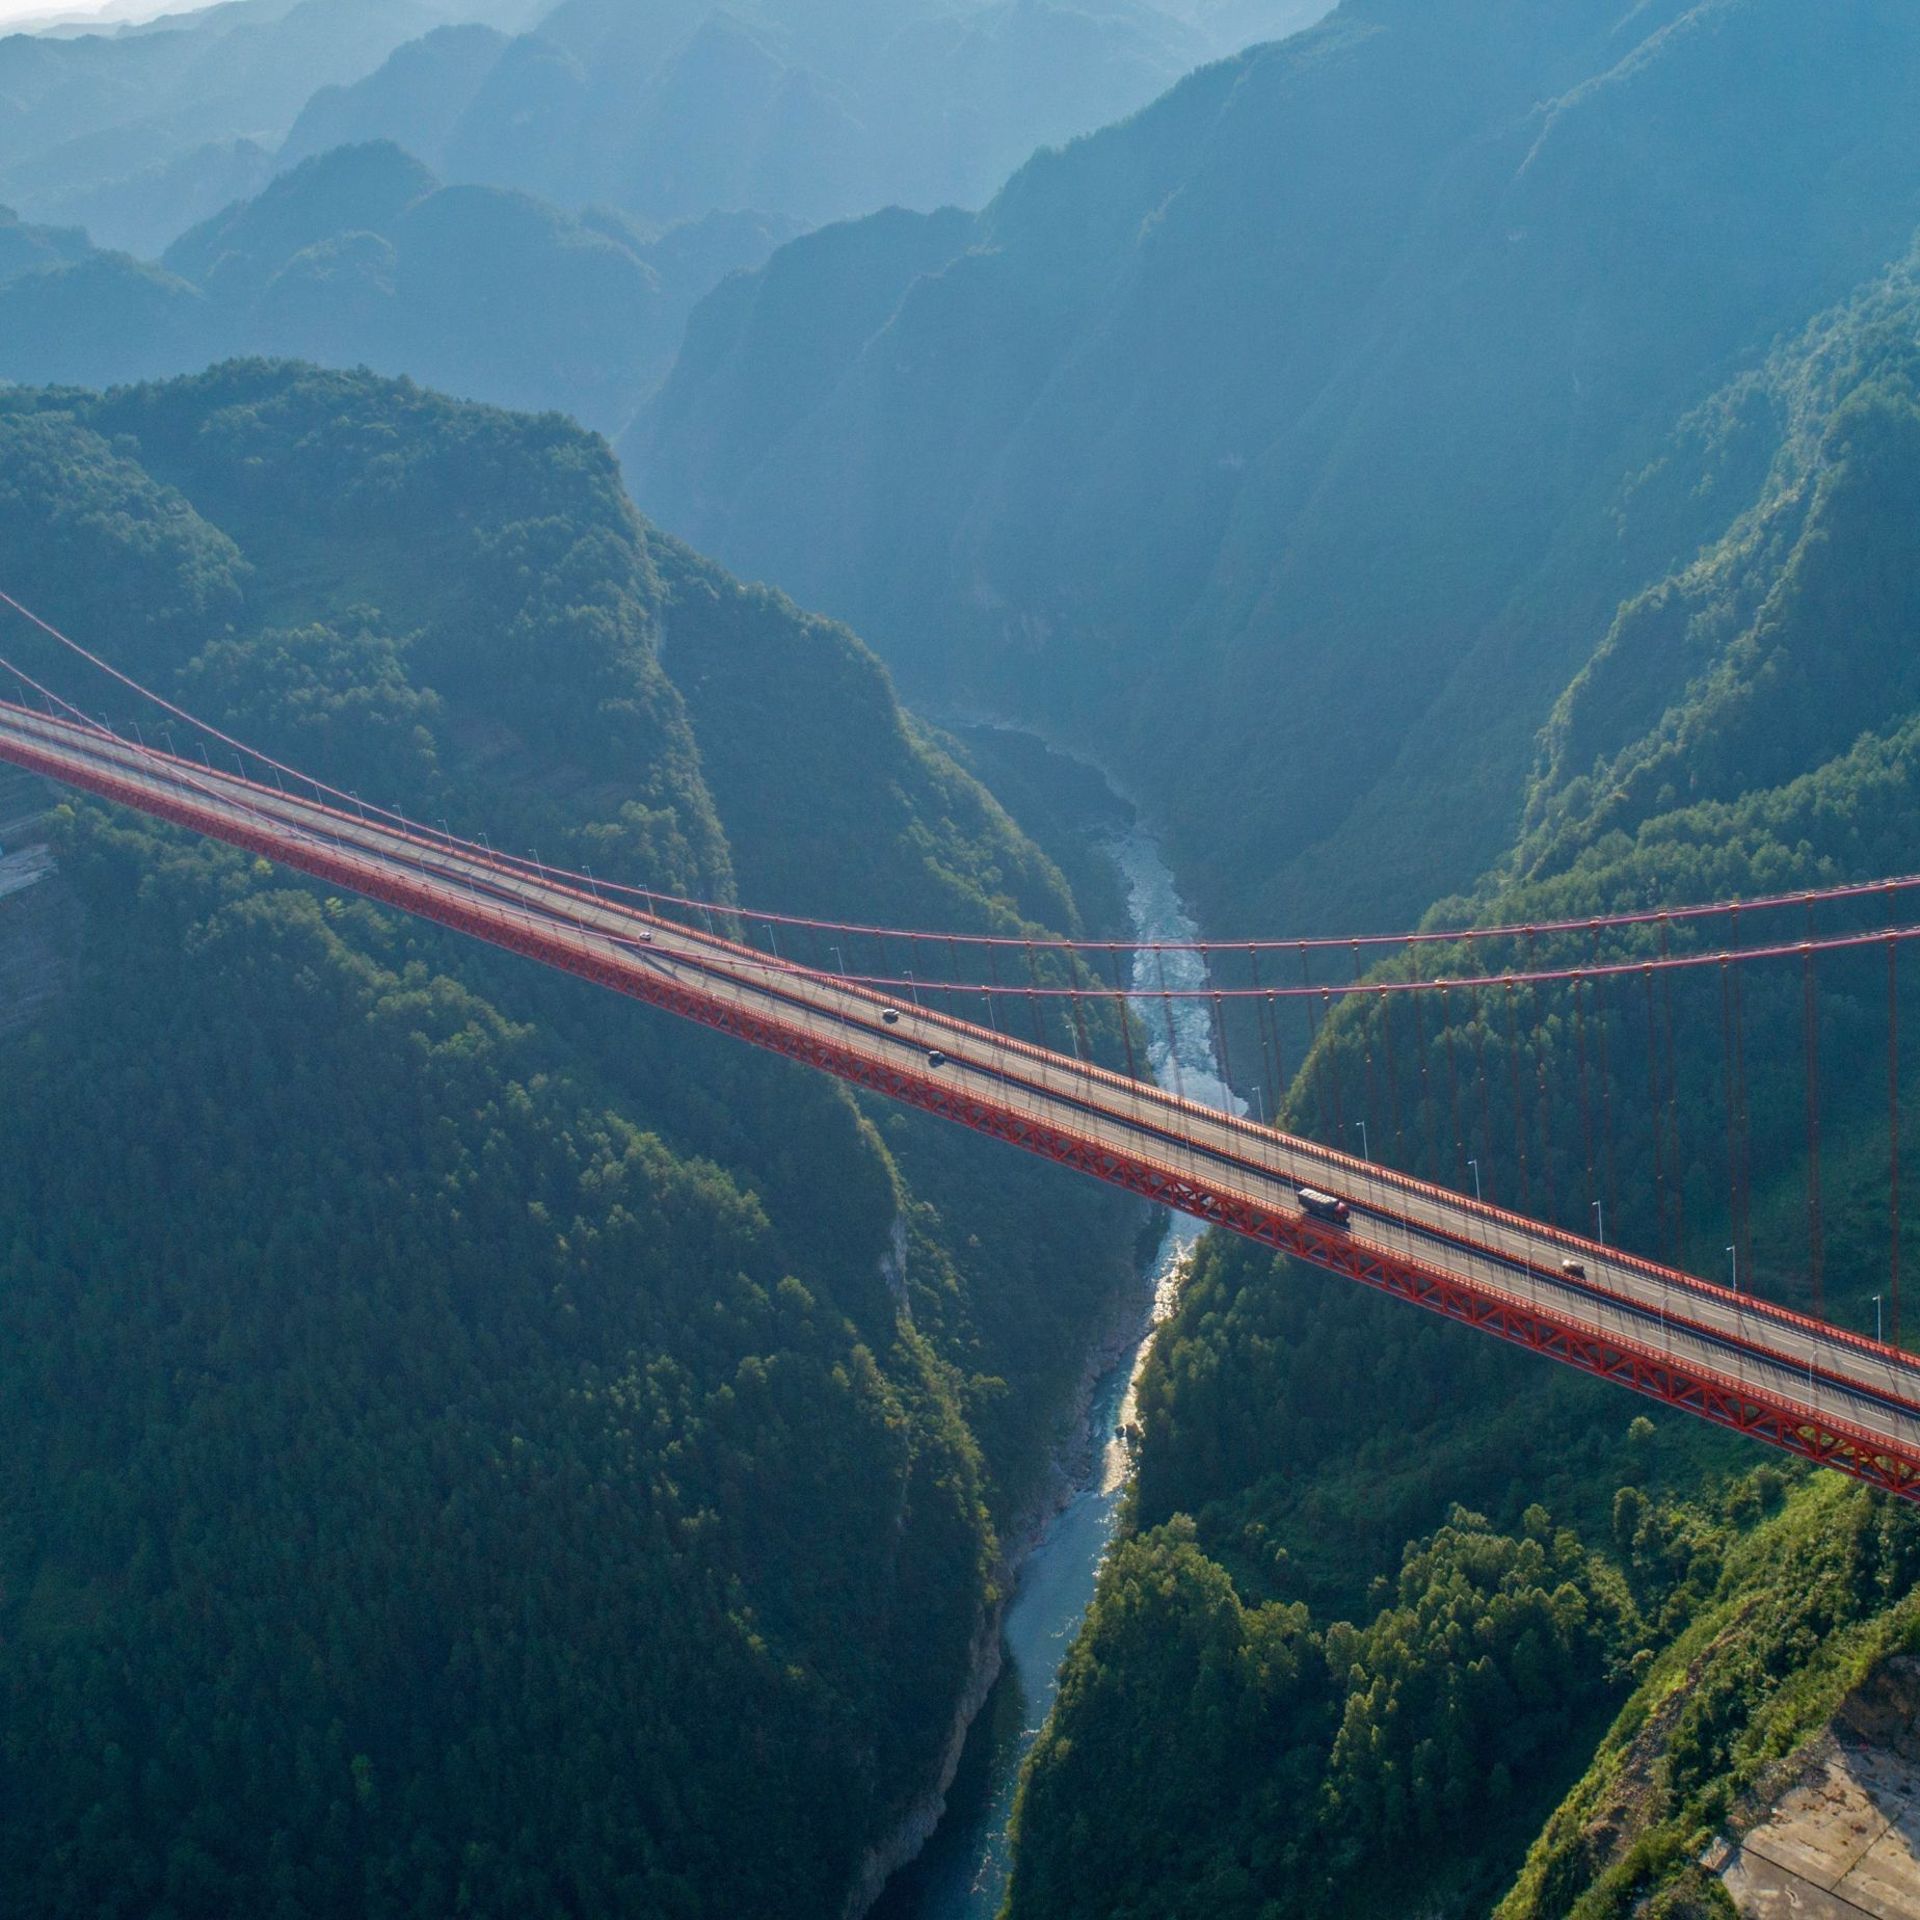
<point x="1819" y="1391"/>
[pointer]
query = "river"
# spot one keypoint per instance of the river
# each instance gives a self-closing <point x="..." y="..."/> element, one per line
<point x="962" y="1875"/>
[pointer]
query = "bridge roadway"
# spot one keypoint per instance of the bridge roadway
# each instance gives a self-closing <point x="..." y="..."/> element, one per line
<point x="1820" y="1391"/>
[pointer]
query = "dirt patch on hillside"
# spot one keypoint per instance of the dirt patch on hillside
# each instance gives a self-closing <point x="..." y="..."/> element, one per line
<point x="1834" y="1832"/>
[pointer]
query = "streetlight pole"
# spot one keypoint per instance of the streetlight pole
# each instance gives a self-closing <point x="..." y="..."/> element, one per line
<point x="1600" y="1223"/>
<point x="1475" y="1165"/>
<point x="1733" y="1254"/>
<point x="1366" y="1152"/>
<point x="1876" y="1321"/>
<point x="1260" y="1105"/>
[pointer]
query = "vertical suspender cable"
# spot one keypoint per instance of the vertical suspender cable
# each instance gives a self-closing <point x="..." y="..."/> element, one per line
<point x="1330" y="1063"/>
<point x="1673" y="1106"/>
<point x="1033" y="997"/>
<point x="1519" y="1105"/>
<point x="1393" y="1079"/>
<point x="1731" y="1074"/>
<point x="1316" y="1076"/>
<point x="1541" y="1034"/>
<point x="1219" y="1018"/>
<point x="1586" y="1094"/>
<point x="1810" y="1020"/>
<point x="1279" y="1088"/>
<point x="1269" y="1053"/>
<point x="1122" y="1009"/>
<point x="1606" y="1087"/>
<point x="1453" y="1094"/>
<point x="1366" y="1051"/>
<point x="1743" y="1120"/>
<point x="1173" y="1039"/>
<point x="1654" y="1106"/>
<point x="1480" y="1025"/>
<point x="1537" y="1027"/>
<point x="1428" y="1163"/>
<point x="1893" y="1131"/>
<point x="1744" y="1241"/>
<point x="1263" y="1018"/>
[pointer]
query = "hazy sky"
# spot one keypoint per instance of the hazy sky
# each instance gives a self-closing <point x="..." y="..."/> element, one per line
<point x="71" y="9"/>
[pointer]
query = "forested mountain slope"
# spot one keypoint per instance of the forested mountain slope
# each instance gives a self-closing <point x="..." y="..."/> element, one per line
<point x="472" y="1445"/>
<point x="361" y="257"/>
<point x="1747" y="724"/>
<point x="1264" y="441"/>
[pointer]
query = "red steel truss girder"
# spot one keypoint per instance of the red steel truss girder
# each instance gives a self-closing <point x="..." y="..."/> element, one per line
<point x="1783" y="1423"/>
<point x="1762" y="1313"/>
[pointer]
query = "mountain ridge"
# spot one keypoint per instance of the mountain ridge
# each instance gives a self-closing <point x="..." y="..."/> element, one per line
<point x="363" y="256"/>
<point x="1201" y="401"/>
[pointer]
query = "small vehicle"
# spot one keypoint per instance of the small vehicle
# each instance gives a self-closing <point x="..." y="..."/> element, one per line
<point x="936" y="1059"/>
<point x="1325" y="1206"/>
<point x="1573" y="1269"/>
<point x="891" y="1017"/>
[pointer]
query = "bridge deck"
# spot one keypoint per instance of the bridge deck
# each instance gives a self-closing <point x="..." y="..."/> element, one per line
<point x="1818" y="1391"/>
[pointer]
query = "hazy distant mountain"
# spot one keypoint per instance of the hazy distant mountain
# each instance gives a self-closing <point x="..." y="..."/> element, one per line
<point x="816" y="111"/>
<point x="416" y="98"/>
<point x="670" y="111"/>
<point x="1265" y="439"/>
<point x="142" y="212"/>
<point x="132" y="126"/>
<point x="362" y="257"/>
<point x="27" y="249"/>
